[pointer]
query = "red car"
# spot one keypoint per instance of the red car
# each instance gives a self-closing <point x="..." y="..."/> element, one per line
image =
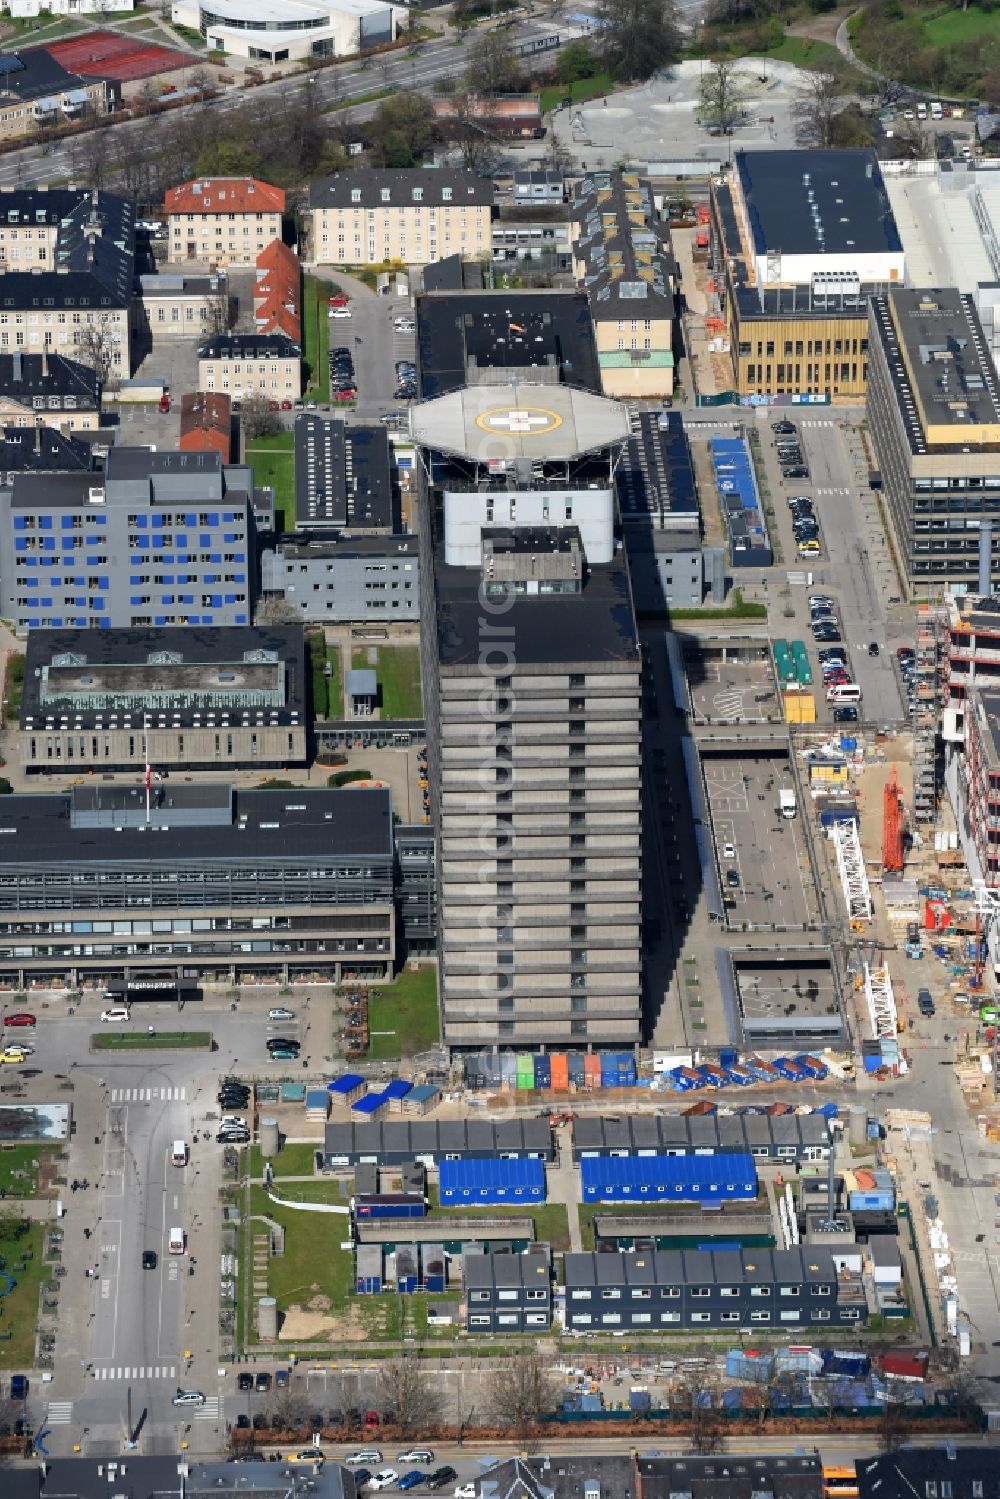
<point x="19" y="1017"/>
<point x="286" y="405"/>
<point x="164" y="403"/>
<point x="273" y="406"/>
<point x="339" y="300"/>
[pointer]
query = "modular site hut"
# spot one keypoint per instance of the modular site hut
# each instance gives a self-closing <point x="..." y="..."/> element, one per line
<point x="348" y="1089"/>
<point x="394" y="1142"/>
<point x="421" y="1099"/>
<point x="368" y="1276"/>
<point x="395" y="1092"/>
<point x="510" y="1233"/>
<point x="701" y="1179"/>
<point x="470" y="1182"/>
<point x="791" y="1137"/>
<point x="433" y="1268"/>
<point x="371" y="1108"/>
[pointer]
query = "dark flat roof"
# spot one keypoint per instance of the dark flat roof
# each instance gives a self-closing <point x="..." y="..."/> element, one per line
<point x="847" y="191"/>
<point x="656" y="475"/>
<point x="267" y="827"/>
<point x="595" y="626"/>
<point x="343" y="475"/>
<point x="549" y="331"/>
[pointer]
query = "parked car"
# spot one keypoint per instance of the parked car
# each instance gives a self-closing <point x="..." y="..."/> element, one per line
<point x="281" y="1379"/>
<point x="361" y="1477"/>
<point x="797" y="471"/>
<point x="285" y="1043"/>
<point x="411" y="1480"/>
<point x="19" y="1017"/>
<point x="384" y="1480"/>
<point x="245" y="1381"/>
<point x="280" y="1012"/>
<point x="783" y="426"/>
<point x="732" y="878"/>
<point x="363" y="1455"/>
<point x="19" y="1386"/>
<point x="189" y="1397"/>
<point x="12" y="1055"/>
<point x="263" y="1382"/>
<point x="307" y="1455"/>
<point x="440" y="1477"/>
<point x="925" y="1002"/>
<point x="164" y="404"/>
<point x="149" y="1259"/>
<point x="729" y="851"/>
<point x="873" y="649"/>
<point x="340" y="312"/>
<point x="416" y="1455"/>
<point x="115" y="1015"/>
<point x="845" y="715"/>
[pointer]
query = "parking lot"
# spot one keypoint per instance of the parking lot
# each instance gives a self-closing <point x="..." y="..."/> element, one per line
<point x="762" y="857"/>
<point x="730" y="683"/>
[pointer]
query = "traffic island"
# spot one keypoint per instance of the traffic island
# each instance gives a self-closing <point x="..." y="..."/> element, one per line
<point x="152" y="1041"/>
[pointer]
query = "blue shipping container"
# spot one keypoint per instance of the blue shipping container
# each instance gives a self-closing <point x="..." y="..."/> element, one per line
<point x="543" y="1072"/>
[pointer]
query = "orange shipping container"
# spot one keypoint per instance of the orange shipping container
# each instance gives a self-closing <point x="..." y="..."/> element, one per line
<point x="592" y="1070"/>
<point x="560" y="1072"/>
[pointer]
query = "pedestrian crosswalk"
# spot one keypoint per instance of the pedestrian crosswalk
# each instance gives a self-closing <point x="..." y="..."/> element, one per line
<point x="148" y="1095"/>
<point x="833" y="491"/>
<point x="59" y="1413"/>
<point x="816" y="421"/>
<point x="126" y="1371"/>
<point x="210" y="1410"/>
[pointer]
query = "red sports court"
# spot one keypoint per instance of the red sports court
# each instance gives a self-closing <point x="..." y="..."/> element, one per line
<point x="110" y="54"/>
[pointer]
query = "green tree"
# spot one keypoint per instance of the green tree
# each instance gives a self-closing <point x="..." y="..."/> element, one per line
<point x="638" y="37"/>
<point x="5" y="787"/>
<point x="576" y="61"/>
<point x="404" y="130"/>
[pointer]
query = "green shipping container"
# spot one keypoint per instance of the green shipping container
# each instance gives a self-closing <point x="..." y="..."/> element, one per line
<point x="525" y="1070"/>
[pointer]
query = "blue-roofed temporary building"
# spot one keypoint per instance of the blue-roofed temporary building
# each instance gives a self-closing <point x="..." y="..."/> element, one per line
<point x="371" y="1107"/>
<point x="466" y="1183"/>
<point x="395" y="1092"/>
<point x="749" y="545"/>
<point x="659" y="1178"/>
<point x="347" y="1089"/>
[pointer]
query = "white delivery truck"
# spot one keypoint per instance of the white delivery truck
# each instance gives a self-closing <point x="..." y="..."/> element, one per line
<point x="176" y="1241"/>
<point x="179" y="1153"/>
<point x="786" y="803"/>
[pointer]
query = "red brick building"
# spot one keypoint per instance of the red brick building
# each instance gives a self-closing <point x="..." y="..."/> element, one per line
<point x="206" y="423"/>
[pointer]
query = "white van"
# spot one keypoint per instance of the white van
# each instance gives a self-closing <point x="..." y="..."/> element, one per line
<point x="176" y="1241"/>
<point x="179" y="1153"/>
<point x="844" y="692"/>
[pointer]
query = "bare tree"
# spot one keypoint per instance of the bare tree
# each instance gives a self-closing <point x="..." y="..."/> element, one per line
<point x="411" y="1400"/>
<point x="521" y="1394"/>
<point x="98" y="344"/>
<point x="471" y="126"/>
<point x="274" y="609"/>
<point x="724" y="96"/>
<point x="911" y="144"/>
<point x="891" y="1424"/>
<point x="705" y="1425"/>
<point x="220" y="314"/>
<point x="493" y="67"/>
<point x="258" y="420"/>
<point x="291" y="1411"/>
<point x="817" y="101"/>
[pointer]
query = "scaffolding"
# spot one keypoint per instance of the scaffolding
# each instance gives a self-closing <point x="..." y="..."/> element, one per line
<point x="932" y="632"/>
<point x="853" y="876"/>
<point x="881" y="1003"/>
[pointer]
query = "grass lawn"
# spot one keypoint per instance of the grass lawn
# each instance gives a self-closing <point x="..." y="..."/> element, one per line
<point x="27" y="1158"/>
<point x="804" y="52"/>
<point x="142" y="1041"/>
<point x="954" y="26"/>
<point x="404" y="1019"/>
<point x="334" y="686"/>
<point x="317" y="1191"/>
<point x="398" y="672"/>
<point x="313" y="1263"/>
<point x="316" y="652"/>
<point x="316" y="338"/>
<point x="273" y="462"/>
<point x="580" y="91"/>
<point x="291" y="1160"/>
<point x="19" y="1309"/>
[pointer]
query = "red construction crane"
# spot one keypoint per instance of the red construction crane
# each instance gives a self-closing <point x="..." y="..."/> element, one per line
<point x="892" y="826"/>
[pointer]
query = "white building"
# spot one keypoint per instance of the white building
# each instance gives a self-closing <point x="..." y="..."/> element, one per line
<point x="287" y="30"/>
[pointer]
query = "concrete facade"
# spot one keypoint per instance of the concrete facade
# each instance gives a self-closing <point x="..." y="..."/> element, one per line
<point x="370" y="217"/>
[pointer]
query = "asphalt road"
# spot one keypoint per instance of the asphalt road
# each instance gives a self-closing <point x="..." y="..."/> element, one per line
<point x="432" y="60"/>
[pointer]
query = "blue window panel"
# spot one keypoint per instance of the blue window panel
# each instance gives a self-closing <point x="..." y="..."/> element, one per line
<point x="31" y="582"/>
<point x="20" y="523"/>
<point x="67" y="543"/>
<point x="97" y="605"/>
<point x="190" y="519"/>
<point x="168" y="557"/>
<point x="45" y="523"/>
<point x="239" y="577"/>
<point x="204" y="539"/>
<point x="81" y="621"/>
<point x="55" y="582"/>
<point x="187" y="598"/>
<point x="230" y="598"/>
<point x="141" y="521"/>
<point x="213" y="518"/>
<point x="134" y="578"/>
<point x="45" y="603"/>
<point x="183" y="578"/>
<point x="140" y="544"/>
<point x="104" y="584"/>
<point x="241" y="619"/>
<point x="167" y="598"/>
<point x="210" y="578"/>
<point x="20" y="543"/>
<point x="215" y="556"/>
<point x="57" y="621"/>
<point x="230" y="536"/>
<point x="47" y="561"/>
<point x="33" y="621"/>
<point x="157" y="520"/>
<point x="98" y="520"/>
<point x="77" y="581"/>
<point x="135" y="600"/>
<point x="66" y="522"/>
<point x="104" y="624"/>
<point x="215" y="599"/>
<point x="208" y="619"/>
<point x="181" y="540"/>
<point x="31" y="562"/>
<point x="159" y="619"/>
<point x="94" y="559"/>
<point x="49" y="543"/>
